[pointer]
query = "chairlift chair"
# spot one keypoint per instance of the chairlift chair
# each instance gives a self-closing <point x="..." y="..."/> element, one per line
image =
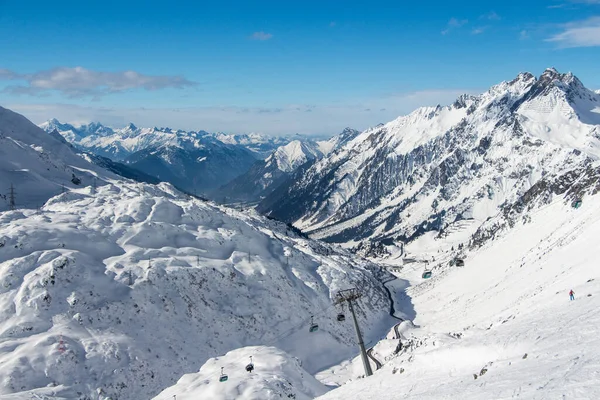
<point x="223" y="376"/>
<point x="460" y="262"/>
<point x="426" y="275"/>
<point x="313" y="327"/>
<point x="341" y="317"/>
<point x="577" y="203"/>
<point x="250" y="367"/>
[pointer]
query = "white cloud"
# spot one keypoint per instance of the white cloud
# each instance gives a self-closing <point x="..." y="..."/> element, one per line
<point x="82" y="82"/>
<point x="261" y="36"/>
<point x="584" y="33"/>
<point x="304" y="119"/>
<point x="479" y="30"/>
<point x="492" y="16"/>
<point x="454" y="23"/>
<point x="523" y="35"/>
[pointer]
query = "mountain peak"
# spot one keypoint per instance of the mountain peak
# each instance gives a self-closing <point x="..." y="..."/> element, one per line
<point x="131" y="127"/>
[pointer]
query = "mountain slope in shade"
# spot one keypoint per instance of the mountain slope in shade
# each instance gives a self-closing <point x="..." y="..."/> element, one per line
<point x="38" y="164"/>
<point x="192" y="167"/>
<point x="265" y="176"/>
<point x="440" y="165"/>
<point x="194" y="161"/>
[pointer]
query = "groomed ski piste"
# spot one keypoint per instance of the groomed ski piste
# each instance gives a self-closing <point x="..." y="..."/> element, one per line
<point x="500" y="327"/>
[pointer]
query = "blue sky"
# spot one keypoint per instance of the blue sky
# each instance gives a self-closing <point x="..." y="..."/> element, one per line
<point x="278" y="67"/>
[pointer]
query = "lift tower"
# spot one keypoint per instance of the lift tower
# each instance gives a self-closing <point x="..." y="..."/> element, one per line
<point x="12" y="202"/>
<point x="350" y="295"/>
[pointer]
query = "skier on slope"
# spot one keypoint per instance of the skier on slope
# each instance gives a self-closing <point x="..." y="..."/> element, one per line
<point x="572" y="295"/>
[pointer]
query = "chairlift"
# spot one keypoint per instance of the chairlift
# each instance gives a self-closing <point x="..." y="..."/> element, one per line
<point x="313" y="327"/>
<point x="223" y="377"/>
<point x="577" y="203"/>
<point x="426" y="275"/>
<point x="250" y="367"/>
<point x="460" y="262"/>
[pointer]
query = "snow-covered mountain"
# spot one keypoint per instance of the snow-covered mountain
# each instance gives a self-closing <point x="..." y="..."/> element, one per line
<point x="119" y="143"/>
<point x="265" y="176"/>
<point x="439" y="166"/>
<point x="117" y="293"/>
<point x="36" y="164"/>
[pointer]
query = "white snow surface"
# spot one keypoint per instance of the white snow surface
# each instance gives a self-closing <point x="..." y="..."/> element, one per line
<point x="276" y="375"/>
<point x="500" y="327"/>
<point x="117" y="294"/>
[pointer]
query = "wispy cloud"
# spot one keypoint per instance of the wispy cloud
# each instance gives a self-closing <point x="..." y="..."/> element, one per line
<point x="261" y="36"/>
<point x="332" y="24"/>
<point x="479" y="30"/>
<point x="584" y="33"/>
<point x="523" y="35"/>
<point x="571" y="4"/>
<point x="492" y="16"/>
<point x="82" y="82"/>
<point x="454" y="23"/>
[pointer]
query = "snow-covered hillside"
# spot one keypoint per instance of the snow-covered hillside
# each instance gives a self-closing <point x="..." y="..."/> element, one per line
<point x="440" y="165"/>
<point x="36" y="164"/>
<point x="117" y="294"/>
<point x="265" y="176"/>
<point x="276" y="375"/>
<point x="502" y="326"/>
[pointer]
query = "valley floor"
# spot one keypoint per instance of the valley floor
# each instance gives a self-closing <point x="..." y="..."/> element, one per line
<point x="502" y="326"/>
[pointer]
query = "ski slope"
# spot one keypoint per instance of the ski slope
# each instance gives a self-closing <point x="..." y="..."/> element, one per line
<point x="502" y="326"/>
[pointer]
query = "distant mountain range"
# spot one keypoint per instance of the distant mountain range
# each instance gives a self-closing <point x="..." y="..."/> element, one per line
<point x="195" y="161"/>
<point x="266" y="175"/>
